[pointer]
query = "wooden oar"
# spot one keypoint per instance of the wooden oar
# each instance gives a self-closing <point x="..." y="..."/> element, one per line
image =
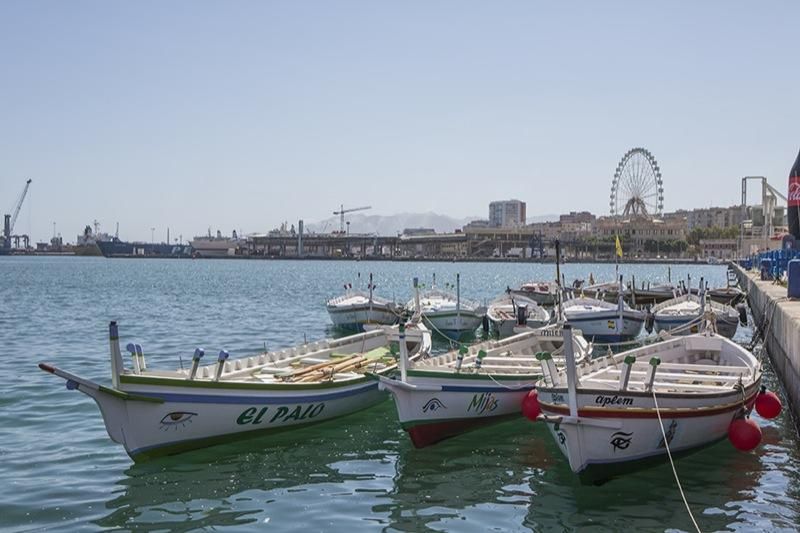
<point x="333" y="369"/>
<point x="318" y="366"/>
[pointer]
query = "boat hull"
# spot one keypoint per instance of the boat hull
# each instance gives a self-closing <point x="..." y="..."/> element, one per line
<point x="355" y="317"/>
<point x="452" y="324"/>
<point x="608" y="326"/>
<point x="432" y="408"/>
<point x="616" y="430"/>
<point x="505" y="328"/>
<point x="184" y="417"/>
<point x="541" y="298"/>
<point x="726" y="326"/>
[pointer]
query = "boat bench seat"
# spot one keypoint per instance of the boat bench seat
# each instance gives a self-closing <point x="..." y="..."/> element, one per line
<point x="664" y="385"/>
<point x="679" y="376"/>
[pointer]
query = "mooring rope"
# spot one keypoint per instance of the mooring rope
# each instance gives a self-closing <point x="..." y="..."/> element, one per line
<point x="507" y="387"/>
<point x="672" y="463"/>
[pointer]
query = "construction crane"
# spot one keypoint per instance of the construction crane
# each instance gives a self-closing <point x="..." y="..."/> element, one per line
<point x="10" y="220"/>
<point x="342" y="211"/>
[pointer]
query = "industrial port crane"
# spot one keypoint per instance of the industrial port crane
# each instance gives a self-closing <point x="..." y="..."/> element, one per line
<point x="10" y="220"/>
<point x="342" y="211"/>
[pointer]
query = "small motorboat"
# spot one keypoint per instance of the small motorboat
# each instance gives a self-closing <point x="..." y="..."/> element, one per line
<point x="650" y="294"/>
<point x="602" y="321"/>
<point x="450" y="394"/>
<point x="161" y="412"/>
<point x="356" y="308"/>
<point x="621" y="412"/>
<point x="683" y="315"/>
<point x="509" y="310"/>
<point x="543" y="293"/>
<point x="447" y="313"/>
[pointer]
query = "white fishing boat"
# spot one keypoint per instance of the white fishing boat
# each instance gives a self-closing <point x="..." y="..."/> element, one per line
<point x="446" y="395"/>
<point x="504" y="314"/>
<point x="543" y="293"/>
<point x="623" y="411"/>
<point x="683" y="315"/>
<point x="447" y="313"/>
<point x="602" y="321"/>
<point x="161" y="412"/>
<point x="355" y="308"/>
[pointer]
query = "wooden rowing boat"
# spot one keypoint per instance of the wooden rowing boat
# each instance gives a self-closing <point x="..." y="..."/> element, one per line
<point x="160" y="412"/>
<point x="444" y="396"/>
<point x="604" y="414"/>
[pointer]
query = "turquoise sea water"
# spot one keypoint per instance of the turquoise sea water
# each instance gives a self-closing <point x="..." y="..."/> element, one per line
<point x="60" y="471"/>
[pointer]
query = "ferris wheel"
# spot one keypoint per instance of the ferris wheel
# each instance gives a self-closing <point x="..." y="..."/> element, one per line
<point x="637" y="188"/>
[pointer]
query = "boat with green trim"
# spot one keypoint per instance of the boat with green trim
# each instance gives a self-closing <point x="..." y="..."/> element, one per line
<point x="162" y="412"/>
<point x="473" y="386"/>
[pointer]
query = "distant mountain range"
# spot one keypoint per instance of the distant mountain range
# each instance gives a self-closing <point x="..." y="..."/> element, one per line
<point x="394" y="224"/>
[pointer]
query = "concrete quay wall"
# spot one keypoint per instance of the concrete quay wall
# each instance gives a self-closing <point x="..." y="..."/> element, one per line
<point x="781" y="316"/>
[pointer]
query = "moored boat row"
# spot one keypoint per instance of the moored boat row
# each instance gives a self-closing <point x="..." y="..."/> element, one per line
<point x="604" y="412"/>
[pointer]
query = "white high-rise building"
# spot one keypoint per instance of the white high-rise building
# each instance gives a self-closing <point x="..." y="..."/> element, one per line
<point x="507" y="213"/>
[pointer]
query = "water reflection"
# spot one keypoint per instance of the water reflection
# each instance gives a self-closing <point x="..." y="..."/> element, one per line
<point x="478" y="480"/>
<point x="251" y="481"/>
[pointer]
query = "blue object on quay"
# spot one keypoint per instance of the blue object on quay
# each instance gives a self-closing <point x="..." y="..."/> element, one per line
<point x="794" y="278"/>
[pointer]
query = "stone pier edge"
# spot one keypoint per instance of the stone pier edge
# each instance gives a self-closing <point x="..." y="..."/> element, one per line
<point x="771" y="308"/>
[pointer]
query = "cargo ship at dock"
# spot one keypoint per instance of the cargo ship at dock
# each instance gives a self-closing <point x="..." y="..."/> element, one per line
<point x="115" y="247"/>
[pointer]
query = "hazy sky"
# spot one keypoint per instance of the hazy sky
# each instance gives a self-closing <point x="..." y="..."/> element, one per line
<point x="243" y="114"/>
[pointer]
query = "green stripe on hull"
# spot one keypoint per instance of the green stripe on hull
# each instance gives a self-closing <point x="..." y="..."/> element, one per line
<point x="227" y="385"/>
<point x="485" y="377"/>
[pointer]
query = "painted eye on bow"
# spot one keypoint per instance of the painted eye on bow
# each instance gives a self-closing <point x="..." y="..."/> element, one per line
<point x="621" y="440"/>
<point x="177" y="419"/>
<point x="433" y="404"/>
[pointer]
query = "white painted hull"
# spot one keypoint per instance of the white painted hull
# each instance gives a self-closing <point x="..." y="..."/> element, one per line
<point x="147" y="429"/>
<point x="599" y="442"/>
<point x="726" y="326"/>
<point x="450" y="323"/>
<point x="356" y="317"/>
<point x="608" y="327"/>
<point x="505" y="328"/>
<point x="433" y="408"/>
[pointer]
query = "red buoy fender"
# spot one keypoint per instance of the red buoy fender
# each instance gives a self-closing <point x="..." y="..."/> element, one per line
<point x="744" y="434"/>
<point x="768" y="405"/>
<point x="530" y="405"/>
